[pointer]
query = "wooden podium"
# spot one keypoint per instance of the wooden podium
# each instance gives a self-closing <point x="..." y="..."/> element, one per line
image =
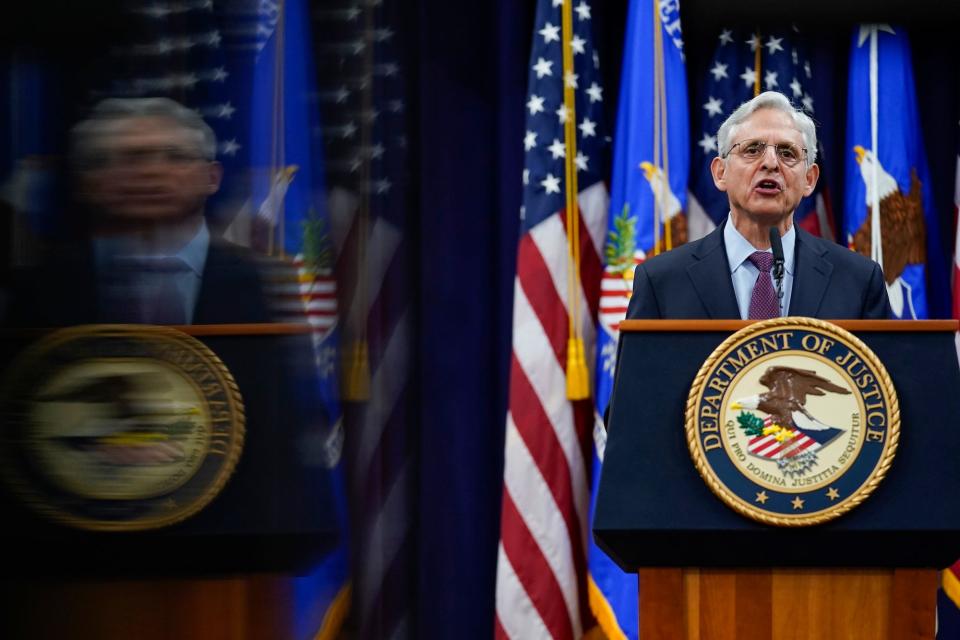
<point x="706" y="572"/>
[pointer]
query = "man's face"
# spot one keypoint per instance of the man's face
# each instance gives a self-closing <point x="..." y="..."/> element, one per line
<point x="765" y="190"/>
<point x="151" y="170"/>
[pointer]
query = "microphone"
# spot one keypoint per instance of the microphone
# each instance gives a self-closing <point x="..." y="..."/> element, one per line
<point x="777" y="247"/>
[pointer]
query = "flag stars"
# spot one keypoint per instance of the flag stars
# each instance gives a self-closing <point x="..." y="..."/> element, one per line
<point x="576" y="44"/>
<point x="543" y="68"/>
<point x="382" y="35"/>
<point x="581" y="161"/>
<point x="529" y="140"/>
<point x="770" y="80"/>
<point x="807" y="102"/>
<point x="526" y="177"/>
<point x="219" y="74"/>
<point x="557" y="3"/>
<point x="588" y="128"/>
<point x="557" y="149"/>
<point x="773" y="45"/>
<point x="713" y="106"/>
<point x="550" y="33"/>
<point x="381" y="187"/>
<point x="213" y="38"/>
<point x="796" y="88"/>
<point x="225" y="110"/>
<point x="535" y="104"/>
<point x="754" y="42"/>
<point x="726" y="37"/>
<point x="550" y="184"/>
<point x="719" y="71"/>
<point x="708" y="143"/>
<point x="563" y="114"/>
<point x="230" y="147"/>
<point x="806" y="69"/>
<point x="797" y="503"/>
<point x="570" y="79"/>
<point x="794" y="56"/>
<point x="595" y="92"/>
<point x="596" y="60"/>
<point x="749" y="76"/>
<point x="583" y="11"/>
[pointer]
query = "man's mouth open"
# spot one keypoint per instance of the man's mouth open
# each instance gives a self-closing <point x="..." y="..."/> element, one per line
<point x="768" y="187"/>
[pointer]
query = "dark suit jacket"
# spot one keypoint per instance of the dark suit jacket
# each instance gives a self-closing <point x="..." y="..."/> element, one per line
<point x="693" y="282"/>
<point x="63" y="291"/>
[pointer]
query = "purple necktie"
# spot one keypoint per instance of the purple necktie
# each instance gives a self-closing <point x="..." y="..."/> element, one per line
<point x="764" y="303"/>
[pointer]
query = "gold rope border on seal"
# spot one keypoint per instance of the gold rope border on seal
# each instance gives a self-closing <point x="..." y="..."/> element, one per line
<point x="744" y="508"/>
<point x="94" y="331"/>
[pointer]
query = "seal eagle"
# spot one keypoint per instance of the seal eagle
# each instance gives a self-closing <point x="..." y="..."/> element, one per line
<point x="786" y="399"/>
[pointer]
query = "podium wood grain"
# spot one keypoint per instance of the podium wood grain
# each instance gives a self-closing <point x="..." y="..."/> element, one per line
<point x="787" y="604"/>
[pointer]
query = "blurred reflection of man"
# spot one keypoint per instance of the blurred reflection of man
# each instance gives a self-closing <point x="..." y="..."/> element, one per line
<point x="145" y="168"/>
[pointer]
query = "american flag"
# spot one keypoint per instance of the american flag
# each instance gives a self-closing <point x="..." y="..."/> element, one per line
<point x="746" y="63"/>
<point x="768" y="446"/>
<point x="362" y="92"/>
<point x="541" y="567"/>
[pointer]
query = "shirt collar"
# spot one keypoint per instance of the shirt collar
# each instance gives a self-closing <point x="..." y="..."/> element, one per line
<point x="739" y="248"/>
<point x="193" y="254"/>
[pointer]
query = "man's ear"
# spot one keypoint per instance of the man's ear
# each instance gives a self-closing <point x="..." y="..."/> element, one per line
<point x="812" y="175"/>
<point x="214" y="177"/>
<point x="718" y="169"/>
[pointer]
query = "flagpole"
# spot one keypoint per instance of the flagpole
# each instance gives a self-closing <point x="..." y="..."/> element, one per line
<point x="578" y="383"/>
<point x="355" y="372"/>
<point x="876" y="235"/>
<point x="664" y="135"/>
<point x="757" y="63"/>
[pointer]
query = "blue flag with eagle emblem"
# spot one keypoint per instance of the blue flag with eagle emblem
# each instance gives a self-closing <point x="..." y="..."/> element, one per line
<point x="744" y="64"/>
<point x="290" y="225"/>
<point x="888" y="205"/>
<point x="647" y="215"/>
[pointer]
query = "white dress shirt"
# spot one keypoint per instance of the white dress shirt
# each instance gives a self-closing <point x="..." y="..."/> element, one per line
<point x="744" y="273"/>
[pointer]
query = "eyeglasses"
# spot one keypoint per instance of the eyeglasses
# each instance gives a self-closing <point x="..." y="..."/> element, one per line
<point x="750" y="150"/>
<point x="137" y="157"/>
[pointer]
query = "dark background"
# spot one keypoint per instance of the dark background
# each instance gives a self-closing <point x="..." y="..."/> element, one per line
<point x="467" y="65"/>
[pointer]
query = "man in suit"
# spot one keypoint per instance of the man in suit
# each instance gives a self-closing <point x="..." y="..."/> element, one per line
<point x="766" y="164"/>
<point x="144" y="255"/>
<point x="144" y="169"/>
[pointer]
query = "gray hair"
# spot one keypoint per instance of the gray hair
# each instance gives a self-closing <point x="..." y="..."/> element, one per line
<point x="107" y="113"/>
<point x="769" y="100"/>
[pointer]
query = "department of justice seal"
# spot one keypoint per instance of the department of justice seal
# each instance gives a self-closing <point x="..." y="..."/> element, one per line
<point x="792" y="421"/>
<point x="119" y="427"/>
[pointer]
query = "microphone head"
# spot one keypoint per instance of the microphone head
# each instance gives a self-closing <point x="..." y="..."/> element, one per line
<point x="776" y="245"/>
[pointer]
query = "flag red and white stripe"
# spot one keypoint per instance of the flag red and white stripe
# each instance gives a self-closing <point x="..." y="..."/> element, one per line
<point x="374" y="276"/>
<point x="541" y="566"/>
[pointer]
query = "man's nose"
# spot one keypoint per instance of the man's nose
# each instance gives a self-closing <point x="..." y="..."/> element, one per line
<point x="769" y="158"/>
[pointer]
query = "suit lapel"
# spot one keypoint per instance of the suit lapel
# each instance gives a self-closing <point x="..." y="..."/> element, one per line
<point x="811" y="276"/>
<point x="710" y="275"/>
